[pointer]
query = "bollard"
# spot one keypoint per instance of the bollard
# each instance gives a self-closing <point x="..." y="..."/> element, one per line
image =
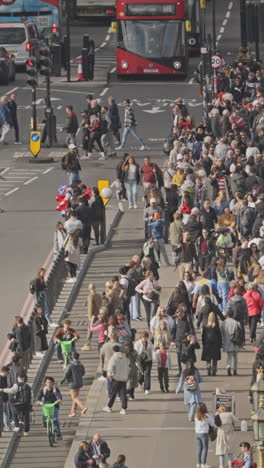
<point x="86" y="42"/>
<point x="65" y="48"/>
<point x="85" y="64"/>
<point x="91" y="59"/>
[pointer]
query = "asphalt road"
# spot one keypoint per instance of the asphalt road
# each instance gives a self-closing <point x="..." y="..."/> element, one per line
<point x="27" y="226"/>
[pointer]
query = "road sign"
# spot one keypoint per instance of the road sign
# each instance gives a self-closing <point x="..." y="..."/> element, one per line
<point x="217" y="61"/>
<point x="101" y="184"/>
<point x="35" y="142"/>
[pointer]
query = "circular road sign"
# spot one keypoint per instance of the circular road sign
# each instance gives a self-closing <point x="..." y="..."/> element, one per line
<point x="216" y="61"/>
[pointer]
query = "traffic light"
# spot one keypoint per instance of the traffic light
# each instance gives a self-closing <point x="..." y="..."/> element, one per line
<point x="31" y="70"/>
<point x="44" y="65"/>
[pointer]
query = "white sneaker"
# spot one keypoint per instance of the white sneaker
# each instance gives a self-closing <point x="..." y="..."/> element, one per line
<point x="54" y="325"/>
<point x="119" y="148"/>
<point x="89" y="156"/>
<point x="118" y="398"/>
<point x="107" y="409"/>
<point x="130" y="207"/>
<point x="70" y="280"/>
<point x="18" y="143"/>
<point x="147" y="392"/>
<point x="123" y="411"/>
<point x="102" y="158"/>
<point x="26" y="434"/>
<point x="206" y="466"/>
<point x="198" y="466"/>
<point x="16" y="429"/>
<point x="135" y="206"/>
<point x="84" y="157"/>
<point x="39" y="354"/>
<point x="101" y="379"/>
<point x="142" y="148"/>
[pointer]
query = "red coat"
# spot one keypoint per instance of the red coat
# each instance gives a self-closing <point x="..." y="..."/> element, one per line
<point x="254" y="302"/>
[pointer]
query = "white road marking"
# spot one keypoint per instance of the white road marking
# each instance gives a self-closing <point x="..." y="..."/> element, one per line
<point x="113" y="70"/>
<point x="5" y="170"/>
<point x="227" y="14"/>
<point x="107" y="37"/>
<point x="222" y="30"/>
<point x="191" y="80"/>
<point x="59" y="107"/>
<point x="109" y="30"/>
<point x="77" y="58"/>
<point x="103" y="44"/>
<point x="104" y="91"/>
<point x="145" y="429"/>
<point x="11" y="191"/>
<point x="12" y="90"/>
<point x="30" y="180"/>
<point x="219" y="37"/>
<point x="230" y="6"/>
<point x="48" y="170"/>
<point x="224" y="22"/>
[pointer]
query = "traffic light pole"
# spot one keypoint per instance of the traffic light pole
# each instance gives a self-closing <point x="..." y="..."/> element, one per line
<point x="34" y="109"/>
<point x="244" y="53"/>
<point x="68" y="48"/>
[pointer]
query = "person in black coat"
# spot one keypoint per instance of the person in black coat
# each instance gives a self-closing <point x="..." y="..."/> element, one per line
<point x="98" y="217"/>
<point x="212" y="344"/>
<point x="40" y="330"/>
<point x="208" y="216"/>
<point x="205" y="311"/>
<point x="12" y="105"/>
<point x="183" y="327"/>
<point x="22" y="335"/>
<point x="84" y="214"/>
<point x="99" y="448"/>
<point x="83" y="457"/>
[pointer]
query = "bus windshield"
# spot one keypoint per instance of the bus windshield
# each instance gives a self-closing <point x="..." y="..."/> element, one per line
<point x="154" y="38"/>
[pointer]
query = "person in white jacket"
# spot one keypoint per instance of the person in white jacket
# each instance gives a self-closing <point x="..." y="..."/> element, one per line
<point x="145" y="350"/>
<point x="117" y="372"/>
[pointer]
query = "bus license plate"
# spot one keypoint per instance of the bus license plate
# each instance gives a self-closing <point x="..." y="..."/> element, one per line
<point x="150" y="70"/>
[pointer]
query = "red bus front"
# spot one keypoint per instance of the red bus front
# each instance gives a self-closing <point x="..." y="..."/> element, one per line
<point x="151" y="38"/>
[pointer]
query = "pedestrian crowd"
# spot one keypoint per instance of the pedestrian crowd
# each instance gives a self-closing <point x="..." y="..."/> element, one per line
<point x="209" y="201"/>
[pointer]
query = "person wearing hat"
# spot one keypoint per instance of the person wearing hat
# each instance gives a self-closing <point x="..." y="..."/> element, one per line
<point x="74" y="373"/>
<point x="149" y="213"/>
<point x="156" y="226"/>
<point x="70" y="163"/>
<point x="117" y="373"/>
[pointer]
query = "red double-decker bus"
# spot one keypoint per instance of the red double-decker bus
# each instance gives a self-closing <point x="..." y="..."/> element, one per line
<point x="151" y="38"/>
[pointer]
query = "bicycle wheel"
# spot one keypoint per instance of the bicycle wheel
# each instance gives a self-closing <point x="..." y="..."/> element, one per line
<point x="51" y="434"/>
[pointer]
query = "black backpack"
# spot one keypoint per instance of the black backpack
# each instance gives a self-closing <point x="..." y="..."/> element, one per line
<point x="238" y="336"/>
<point x="23" y="396"/>
<point x="131" y="289"/>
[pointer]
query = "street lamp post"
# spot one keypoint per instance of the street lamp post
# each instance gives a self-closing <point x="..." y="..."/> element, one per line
<point x="244" y="52"/>
<point x="68" y="41"/>
<point x="214" y="28"/>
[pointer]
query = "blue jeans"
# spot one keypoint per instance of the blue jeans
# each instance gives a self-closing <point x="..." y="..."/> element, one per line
<point x="132" y="191"/>
<point x="192" y="409"/>
<point x="74" y="178"/>
<point x="134" y="306"/>
<point x="133" y="130"/>
<point x="55" y="420"/>
<point x="42" y="300"/>
<point x="6" y="418"/>
<point x="202" y="447"/>
<point x="223" y="290"/>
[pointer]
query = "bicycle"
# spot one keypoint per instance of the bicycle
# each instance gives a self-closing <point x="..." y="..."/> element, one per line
<point x="66" y="349"/>
<point x="48" y="411"/>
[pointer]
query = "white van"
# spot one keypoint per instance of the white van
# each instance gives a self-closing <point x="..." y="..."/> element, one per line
<point x="20" y="40"/>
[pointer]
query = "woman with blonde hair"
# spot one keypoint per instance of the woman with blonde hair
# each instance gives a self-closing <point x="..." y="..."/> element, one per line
<point x="212" y="343"/>
<point x="131" y="179"/>
<point x="72" y="246"/>
<point x="225" y="435"/>
<point x="162" y="335"/>
<point x="84" y="456"/>
<point x="202" y="422"/>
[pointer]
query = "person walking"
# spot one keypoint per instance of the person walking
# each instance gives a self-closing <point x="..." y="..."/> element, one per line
<point x="133" y="361"/>
<point x="40" y="330"/>
<point x="5" y="119"/>
<point x="40" y="292"/>
<point x="84" y="214"/>
<point x="225" y="442"/>
<point x="190" y="380"/>
<point x="20" y="400"/>
<point x="74" y="373"/>
<point x="162" y="358"/>
<point x="71" y="127"/>
<point x="156" y="225"/>
<point x="3" y="384"/>
<point x="131" y="179"/>
<point x="98" y="216"/>
<point x="94" y="302"/>
<point x="94" y="131"/>
<point x="224" y="277"/>
<point x="12" y="105"/>
<point x="254" y="304"/>
<point x="183" y="327"/>
<point x="150" y="290"/>
<point x="203" y="421"/>
<point x="72" y="246"/>
<point x="107" y="133"/>
<point x="117" y="372"/>
<point x="22" y="336"/>
<point x="229" y="330"/>
<point x="114" y="117"/>
<point x="212" y="344"/>
<point x="71" y="164"/>
<point x="130" y="126"/>
<point x="145" y="350"/>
